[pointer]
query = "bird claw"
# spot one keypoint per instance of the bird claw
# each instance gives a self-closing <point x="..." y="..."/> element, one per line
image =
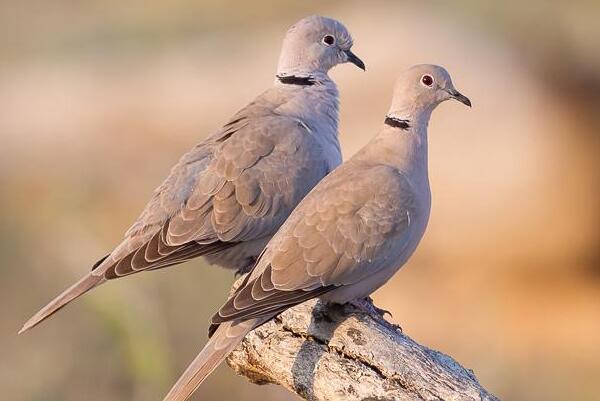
<point x="383" y="312"/>
<point x="366" y="306"/>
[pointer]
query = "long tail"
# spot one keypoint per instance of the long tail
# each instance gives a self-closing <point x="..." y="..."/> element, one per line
<point x="223" y="341"/>
<point x="79" y="288"/>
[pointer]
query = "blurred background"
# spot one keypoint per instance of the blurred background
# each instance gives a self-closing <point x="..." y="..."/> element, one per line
<point x="98" y="99"/>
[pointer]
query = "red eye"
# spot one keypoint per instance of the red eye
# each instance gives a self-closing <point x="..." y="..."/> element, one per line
<point x="328" y="40"/>
<point x="427" y="80"/>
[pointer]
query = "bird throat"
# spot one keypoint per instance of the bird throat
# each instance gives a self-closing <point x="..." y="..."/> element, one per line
<point x="296" y="80"/>
<point x="397" y="122"/>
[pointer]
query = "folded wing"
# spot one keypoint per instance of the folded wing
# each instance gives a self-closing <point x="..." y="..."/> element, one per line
<point x="337" y="236"/>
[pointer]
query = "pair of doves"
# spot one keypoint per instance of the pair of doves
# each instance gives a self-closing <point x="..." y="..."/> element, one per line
<point x="267" y="195"/>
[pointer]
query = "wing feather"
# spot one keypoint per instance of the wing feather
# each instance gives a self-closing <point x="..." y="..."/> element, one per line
<point x="333" y="238"/>
<point x="239" y="185"/>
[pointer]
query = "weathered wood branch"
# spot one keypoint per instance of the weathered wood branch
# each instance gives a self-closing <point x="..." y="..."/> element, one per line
<point x="327" y="352"/>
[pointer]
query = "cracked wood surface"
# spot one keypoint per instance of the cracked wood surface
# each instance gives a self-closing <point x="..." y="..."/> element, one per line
<point x="332" y="352"/>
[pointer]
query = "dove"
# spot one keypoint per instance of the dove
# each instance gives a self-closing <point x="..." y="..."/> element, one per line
<point x="226" y="197"/>
<point x="349" y="235"/>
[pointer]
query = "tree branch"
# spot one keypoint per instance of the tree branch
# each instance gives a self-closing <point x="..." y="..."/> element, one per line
<point x="331" y="352"/>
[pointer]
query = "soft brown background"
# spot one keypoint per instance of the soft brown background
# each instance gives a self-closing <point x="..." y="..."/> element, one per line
<point x="99" y="98"/>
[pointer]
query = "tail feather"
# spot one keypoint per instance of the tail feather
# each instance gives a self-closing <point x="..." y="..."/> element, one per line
<point x="220" y="345"/>
<point x="79" y="288"/>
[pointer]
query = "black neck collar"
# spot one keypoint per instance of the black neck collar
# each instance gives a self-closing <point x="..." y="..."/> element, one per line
<point x="397" y="122"/>
<point x="296" y="80"/>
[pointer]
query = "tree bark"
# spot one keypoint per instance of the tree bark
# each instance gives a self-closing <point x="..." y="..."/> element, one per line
<point x="331" y="352"/>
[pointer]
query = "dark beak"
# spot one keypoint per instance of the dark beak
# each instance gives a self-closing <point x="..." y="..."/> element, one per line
<point x="460" y="97"/>
<point x="352" y="58"/>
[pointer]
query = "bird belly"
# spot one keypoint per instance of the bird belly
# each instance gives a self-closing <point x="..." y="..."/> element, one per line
<point x="372" y="282"/>
<point x="362" y="289"/>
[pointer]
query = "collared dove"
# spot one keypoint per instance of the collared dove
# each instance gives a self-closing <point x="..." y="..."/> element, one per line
<point x="226" y="197"/>
<point x="350" y="234"/>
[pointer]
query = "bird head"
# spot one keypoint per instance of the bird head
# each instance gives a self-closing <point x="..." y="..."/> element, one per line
<point x="316" y="44"/>
<point x="421" y="88"/>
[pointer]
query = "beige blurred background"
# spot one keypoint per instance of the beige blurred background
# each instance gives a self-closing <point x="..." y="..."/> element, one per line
<point x="99" y="98"/>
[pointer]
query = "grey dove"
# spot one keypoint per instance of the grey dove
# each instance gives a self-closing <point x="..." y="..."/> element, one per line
<point x="226" y="197"/>
<point x="349" y="235"/>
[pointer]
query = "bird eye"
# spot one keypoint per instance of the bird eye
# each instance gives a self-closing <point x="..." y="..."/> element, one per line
<point x="427" y="80"/>
<point x="329" y="40"/>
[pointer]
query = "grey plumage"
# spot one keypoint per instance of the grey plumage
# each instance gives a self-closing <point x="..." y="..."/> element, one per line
<point x="226" y="197"/>
<point x="348" y="236"/>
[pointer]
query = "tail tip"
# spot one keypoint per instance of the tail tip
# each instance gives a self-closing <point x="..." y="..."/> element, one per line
<point x="33" y="321"/>
<point x="25" y="328"/>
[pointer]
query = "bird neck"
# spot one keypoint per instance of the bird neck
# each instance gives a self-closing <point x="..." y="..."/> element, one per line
<point x="295" y="61"/>
<point x="402" y="143"/>
<point x="295" y="80"/>
<point x="316" y="106"/>
<point x="299" y="78"/>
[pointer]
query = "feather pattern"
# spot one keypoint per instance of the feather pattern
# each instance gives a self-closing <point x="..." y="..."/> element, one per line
<point x="340" y="233"/>
<point x="226" y="197"/>
<point x="349" y="235"/>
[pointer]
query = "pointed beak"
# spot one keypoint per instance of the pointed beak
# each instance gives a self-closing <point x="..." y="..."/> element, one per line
<point x="460" y="97"/>
<point x="353" y="58"/>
